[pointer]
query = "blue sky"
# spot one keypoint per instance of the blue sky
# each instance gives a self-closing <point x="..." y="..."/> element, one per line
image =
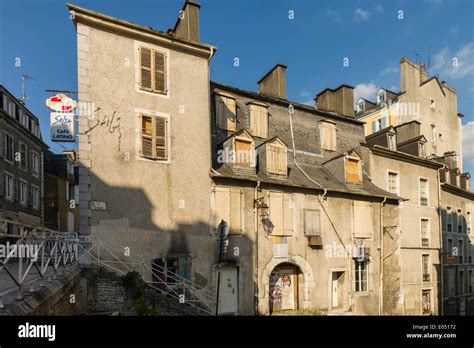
<point x="260" y="33"/>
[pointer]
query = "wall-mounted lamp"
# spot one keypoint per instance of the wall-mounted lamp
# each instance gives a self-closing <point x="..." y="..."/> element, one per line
<point x="262" y="207"/>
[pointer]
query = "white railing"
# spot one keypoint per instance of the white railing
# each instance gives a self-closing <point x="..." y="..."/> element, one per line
<point x="31" y="251"/>
<point x="184" y="291"/>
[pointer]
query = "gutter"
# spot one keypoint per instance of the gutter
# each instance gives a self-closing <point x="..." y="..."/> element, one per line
<point x="381" y="259"/>
<point x="256" y="287"/>
<point x="441" y="295"/>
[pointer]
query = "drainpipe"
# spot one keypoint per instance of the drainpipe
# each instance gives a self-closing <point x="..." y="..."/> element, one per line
<point x="441" y="264"/>
<point x="255" y="211"/>
<point x="381" y="258"/>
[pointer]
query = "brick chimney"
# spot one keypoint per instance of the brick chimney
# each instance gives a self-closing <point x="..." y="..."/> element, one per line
<point x="274" y="82"/>
<point x="187" y="26"/>
<point x="340" y="100"/>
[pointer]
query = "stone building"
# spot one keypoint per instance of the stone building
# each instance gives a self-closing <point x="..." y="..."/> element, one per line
<point x="21" y="162"/>
<point x="321" y="244"/>
<point x="61" y="192"/>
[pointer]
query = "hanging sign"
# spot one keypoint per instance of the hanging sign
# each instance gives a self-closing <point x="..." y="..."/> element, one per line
<point x="62" y="126"/>
<point x="61" y="103"/>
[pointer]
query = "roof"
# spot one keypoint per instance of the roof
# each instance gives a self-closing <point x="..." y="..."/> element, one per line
<point x="412" y="140"/>
<point x="169" y="36"/>
<point x="297" y="179"/>
<point x="383" y="130"/>
<point x="285" y="102"/>
<point x="403" y="156"/>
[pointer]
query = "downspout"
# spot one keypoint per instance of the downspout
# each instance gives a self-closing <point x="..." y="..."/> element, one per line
<point x="440" y="227"/>
<point x="255" y="211"/>
<point x="381" y="258"/>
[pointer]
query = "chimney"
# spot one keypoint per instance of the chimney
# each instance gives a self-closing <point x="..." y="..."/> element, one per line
<point x="274" y="82"/>
<point x="340" y="100"/>
<point x="409" y="75"/>
<point x="187" y="26"/>
<point x="451" y="159"/>
<point x="466" y="181"/>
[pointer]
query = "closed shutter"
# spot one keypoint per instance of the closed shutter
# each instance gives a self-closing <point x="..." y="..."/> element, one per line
<point x="160" y="73"/>
<point x="147" y="136"/>
<point x="282" y="160"/>
<point x="221" y="112"/>
<point x="362" y="223"/>
<point x="259" y="121"/>
<point x="271" y="159"/>
<point x="3" y="145"/>
<point x="312" y="222"/>
<point x="230" y="114"/>
<point x="145" y="68"/>
<point x="243" y="155"/>
<point x="374" y="126"/>
<point x="254" y="121"/>
<point x="29" y="197"/>
<point x="276" y="212"/>
<point x="288" y="215"/>
<point x="264" y="122"/>
<point x="332" y="132"/>
<point x="222" y="200"/>
<point x="235" y="210"/>
<point x="161" y="138"/>
<point x="352" y="171"/>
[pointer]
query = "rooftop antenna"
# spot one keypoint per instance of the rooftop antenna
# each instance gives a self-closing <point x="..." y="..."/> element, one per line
<point x="429" y="60"/>
<point x="25" y="77"/>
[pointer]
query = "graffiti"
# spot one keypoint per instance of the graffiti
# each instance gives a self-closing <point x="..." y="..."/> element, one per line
<point x="112" y="123"/>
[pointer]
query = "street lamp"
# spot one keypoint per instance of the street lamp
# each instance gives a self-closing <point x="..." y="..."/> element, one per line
<point x="262" y="208"/>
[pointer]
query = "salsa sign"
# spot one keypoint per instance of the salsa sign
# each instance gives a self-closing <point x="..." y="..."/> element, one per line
<point x="62" y="126"/>
<point x="62" y="118"/>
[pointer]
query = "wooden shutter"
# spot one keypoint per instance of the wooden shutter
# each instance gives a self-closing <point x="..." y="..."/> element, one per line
<point x="254" y="122"/>
<point x="222" y="208"/>
<point x="263" y="122"/>
<point x="312" y="222"/>
<point x="243" y="155"/>
<point x="272" y="159"/>
<point x="145" y="69"/>
<point x="362" y="223"/>
<point x="160" y="136"/>
<point x="352" y="171"/>
<point x="147" y="136"/>
<point x="230" y="114"/>
<point x="332" y="136"/>
<point x="159" y="72"/>
<point x="276" y="212"/>
<point x="282" y="160"/>
<point x="221" y="112"/>
<point x="287" y="214"/>
<point x="235" y="210"/>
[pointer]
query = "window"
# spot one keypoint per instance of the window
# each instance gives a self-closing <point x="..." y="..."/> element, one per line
<point x="471" y="281"/>
<point x="363" y="223"/>
<point x="9" y="106"/>
<point x="22" y="191"/>
<point x="35" y="164"/>
<point x="7" y="147"/>
<point x="459" y="219"/>
<point x="154" y="137"/>
<point x="328" y="135"/>
<point x="392" y="142"/>
<point x="461" y="282"/>
<point x="353" y="170"/>
<point x="426" y="267"/>
<point x="23" y="156"/>
<point x="35" y="196"/>
<point x="451" y="283"/>
<point x="379" y="124"/>
<point x="276" y="159"/>
<point x="361" y="279"/>
<point x="433" y="134"/>
<point x="281" y="213"/>
<point x="426" y="301"/>
<point x="460" y="251"/>
<point x="450" y="247"/>
<point x="468" y="222"/>
<point x="424" y="192"/>
<point x="381" y="96"/>
<point x="312" y="223"/>
<point x="153" y="71"/>
<point x="258" y="121"/>
<point x="226" y="112"/>
<point x="360" y="106"/>
<point x="421" y="149"/>
<point x="8" y="186"/>
<point x="449" y="220"/>
<point x="432" y="103"/>
<point x="228" y="207"/>
<point x="166" y="270"/>
<point x="425" y="232"/>
<point x="244" y="153"/>
<point x="393" y="182"/>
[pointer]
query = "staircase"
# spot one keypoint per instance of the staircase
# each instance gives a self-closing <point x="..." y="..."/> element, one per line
<point x="166" y="282"/>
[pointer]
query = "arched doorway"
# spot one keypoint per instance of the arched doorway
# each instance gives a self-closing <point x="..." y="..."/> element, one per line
<point x="284" y="285"/>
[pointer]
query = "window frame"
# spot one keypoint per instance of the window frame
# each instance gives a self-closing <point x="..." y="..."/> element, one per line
<point x="358" y="280"/>
<point x="423" y="274"/>
<point x="9" y="188"/>
<point x="253" y="108"/>
<point x="397" y="174"/>
<point x="34" y="154"/>
<point x="420" y="180"/>
<point x="35" y="204"/>
<point x="284" y="157"/>
<point x="24" y="201"/>
<point x="359" y="169"/>
<point x="152" y="89"/>
<point x="153" y="156"/>
<point x="318" y="228"/>
<point x="323" y="128"/>
<point x="428" y="231"/>
<point x="222" y="97"/>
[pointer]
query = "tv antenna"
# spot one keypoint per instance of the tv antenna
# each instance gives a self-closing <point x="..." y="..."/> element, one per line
<point x="25" y="77"/>
<point x="429" y="60"/>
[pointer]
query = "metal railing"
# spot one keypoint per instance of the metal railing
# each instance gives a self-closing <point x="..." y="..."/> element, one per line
<point x="160" y="278"/>
<point x="29" y="251"/>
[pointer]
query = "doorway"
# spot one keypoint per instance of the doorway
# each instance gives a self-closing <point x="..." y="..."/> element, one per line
<point x="337" y="284"/>
<point x="229" y="290"/>
<point x="283" y="286"/>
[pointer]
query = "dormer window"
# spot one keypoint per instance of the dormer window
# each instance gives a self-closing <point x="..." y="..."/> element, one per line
<point x="381" y="96"/>
<point x="392" y="142"/>
<point x="244" y="152"/>
<point x="8" y="106"/>
<point x="353" y="170"/>
<point x="226" y="111"/>
<point x="360" y="105"/>
<point x="276" y="153"/>
<point x="421" y="149"/>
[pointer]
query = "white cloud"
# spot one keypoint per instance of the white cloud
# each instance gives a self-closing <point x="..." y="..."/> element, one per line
<point x="334" y="15"/>
<point x="454" y="65"/>
<point x="304" y="93"/>
<point x="454" y="30"/>
<point x="468" y="144"/>
<point x="379" y="8"/>
<point x="389" y="70"/>
<point x="366" y="91"/>
<point x="362" y="15"/>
